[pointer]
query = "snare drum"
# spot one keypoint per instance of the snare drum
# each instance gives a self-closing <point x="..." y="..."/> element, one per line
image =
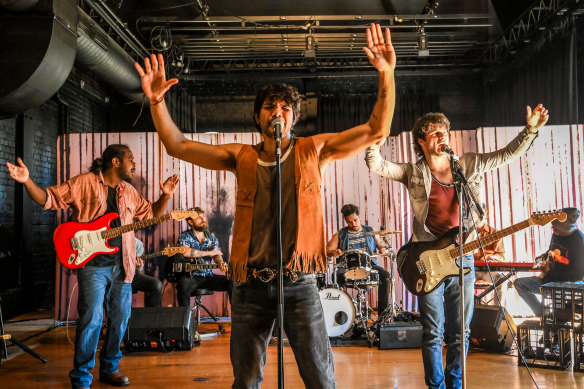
<point x="358" y="264"/>
<point x="370" y="281"/>
<point x="339" y="311"/>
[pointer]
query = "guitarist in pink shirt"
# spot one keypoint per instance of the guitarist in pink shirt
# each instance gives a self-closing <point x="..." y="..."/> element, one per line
<point x="105" y="281"/>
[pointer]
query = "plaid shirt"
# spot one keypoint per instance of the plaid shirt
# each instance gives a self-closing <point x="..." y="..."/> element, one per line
<point x="211" y="242"/>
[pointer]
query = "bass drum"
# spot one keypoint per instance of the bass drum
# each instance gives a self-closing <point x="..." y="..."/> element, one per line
<point x="339" y="311"/>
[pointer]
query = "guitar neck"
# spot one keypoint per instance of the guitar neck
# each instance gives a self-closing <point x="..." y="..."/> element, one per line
<point x="491" y="238"/>
<point x="134" y="226"/>
<point x="152" y="255"/>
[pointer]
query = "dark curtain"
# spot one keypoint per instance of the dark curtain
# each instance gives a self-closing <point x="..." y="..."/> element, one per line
<point x="182" y="109"/>
<point x="337" y="113"/>
<point x="411" y="104"/>
<point x="546" y="73"/>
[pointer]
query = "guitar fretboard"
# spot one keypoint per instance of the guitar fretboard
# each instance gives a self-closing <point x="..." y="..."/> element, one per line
<point x="134" y="226"/>
<point x="152" y="255"/>
<point x="491" y="238"/>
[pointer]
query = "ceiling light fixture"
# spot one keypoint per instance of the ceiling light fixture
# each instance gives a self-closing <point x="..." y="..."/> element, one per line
<point x="310" y="51"/>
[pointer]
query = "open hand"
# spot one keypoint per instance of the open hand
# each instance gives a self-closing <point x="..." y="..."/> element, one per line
<point x="169" y="186"/>
<point x="153" y="77"/>
<point x="537" y="118"/>
<point x="18" y="173"/>
<point x="379" y="50"/>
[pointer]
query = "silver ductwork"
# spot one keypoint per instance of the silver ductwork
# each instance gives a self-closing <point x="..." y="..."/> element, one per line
<point x="39" y="47"/>
<point x="106" y="59"/>
<point x="37" y="50"/>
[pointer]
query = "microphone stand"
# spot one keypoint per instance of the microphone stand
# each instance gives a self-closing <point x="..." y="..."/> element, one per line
<point x="460" y="184"/>
<point x="278" y="139"/>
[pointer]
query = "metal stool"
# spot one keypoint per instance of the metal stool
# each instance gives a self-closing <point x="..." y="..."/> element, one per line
<point x="199" y="293"/>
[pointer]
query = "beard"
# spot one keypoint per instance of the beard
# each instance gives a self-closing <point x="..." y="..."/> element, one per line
<point x="201" y="228"/>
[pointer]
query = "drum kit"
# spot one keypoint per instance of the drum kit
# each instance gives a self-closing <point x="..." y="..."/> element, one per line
<point x="341" y="311"/>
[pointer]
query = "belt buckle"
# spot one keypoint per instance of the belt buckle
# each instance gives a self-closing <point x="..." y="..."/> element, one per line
<point x="293" y="275"/>
<point x="265" y="275"/>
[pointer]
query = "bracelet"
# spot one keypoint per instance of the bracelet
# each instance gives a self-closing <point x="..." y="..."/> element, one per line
<point x="157" y="101"/>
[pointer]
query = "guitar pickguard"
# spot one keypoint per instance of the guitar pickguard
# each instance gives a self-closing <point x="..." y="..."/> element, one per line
<point x="438" y="265"/>
<point x="88" y="243"/>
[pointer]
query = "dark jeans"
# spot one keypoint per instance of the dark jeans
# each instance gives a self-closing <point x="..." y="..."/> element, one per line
<point x="152" y="288"/>
<point x="185" y="286"/>
<point x="99" y="288"/>
<point x="253" y="314"/>
<point x="382" y="293"/>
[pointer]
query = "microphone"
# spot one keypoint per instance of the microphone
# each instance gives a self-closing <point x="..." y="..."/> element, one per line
<point x="277" y="125"/>
<point x="444" y="149"/>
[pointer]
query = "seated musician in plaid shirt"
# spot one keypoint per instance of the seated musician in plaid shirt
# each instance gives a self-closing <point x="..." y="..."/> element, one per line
<point x="204" y="246"/>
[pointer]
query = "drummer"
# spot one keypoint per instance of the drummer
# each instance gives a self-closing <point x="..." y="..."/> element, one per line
<point x="351" y="237"/>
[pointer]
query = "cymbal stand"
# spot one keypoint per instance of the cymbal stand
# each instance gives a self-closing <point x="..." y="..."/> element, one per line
<point x="392" y="305"/>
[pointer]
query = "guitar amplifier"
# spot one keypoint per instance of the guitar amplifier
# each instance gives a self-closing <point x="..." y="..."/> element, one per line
<point x="488" y="328"/>
<point x="399" y="335"/>
<point x="161" y="329"/>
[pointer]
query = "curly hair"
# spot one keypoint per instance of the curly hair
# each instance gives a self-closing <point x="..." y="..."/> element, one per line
<point x="271" y="92"/>
<point x="422" y="126"/>
<point x="104" y="162"/>
<point x="349" y="209"/>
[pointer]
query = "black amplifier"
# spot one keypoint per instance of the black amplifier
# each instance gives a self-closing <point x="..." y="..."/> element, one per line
<point x="399" y="335"/>
<point x="161" y="329"/>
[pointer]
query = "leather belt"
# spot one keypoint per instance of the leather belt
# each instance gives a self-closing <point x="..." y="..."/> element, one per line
<point x="267" y="274"/>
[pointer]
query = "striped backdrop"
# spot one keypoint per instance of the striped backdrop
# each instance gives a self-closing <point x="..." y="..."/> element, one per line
<point x="549" y="176"/>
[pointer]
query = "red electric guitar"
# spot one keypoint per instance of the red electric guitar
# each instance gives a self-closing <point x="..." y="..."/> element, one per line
<point x="77" y="243"/>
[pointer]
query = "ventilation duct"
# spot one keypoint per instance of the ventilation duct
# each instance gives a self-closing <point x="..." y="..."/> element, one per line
<point x="106" y="59"/>
<point x="37" y="51"/>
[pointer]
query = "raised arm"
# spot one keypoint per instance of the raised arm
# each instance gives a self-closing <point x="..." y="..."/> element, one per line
<point x="155" y="85"/>
<point x="350" y="142"/>
<point x="20" y="174"/>
<point x="167" y="188"/>
<point x="535" y="119"/>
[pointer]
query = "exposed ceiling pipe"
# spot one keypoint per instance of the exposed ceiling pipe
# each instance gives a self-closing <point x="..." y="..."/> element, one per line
<point x="106" y="59"/>
<point x="41" y="49"/>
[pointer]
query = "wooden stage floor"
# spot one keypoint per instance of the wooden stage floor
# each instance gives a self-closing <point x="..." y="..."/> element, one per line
<point x="208" y="366"/>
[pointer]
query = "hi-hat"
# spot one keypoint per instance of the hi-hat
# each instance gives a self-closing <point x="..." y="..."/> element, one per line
<point x="381" y="232"/>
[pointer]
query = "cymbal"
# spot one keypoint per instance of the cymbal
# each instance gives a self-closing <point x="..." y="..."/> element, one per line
<point x="381" y="232"/>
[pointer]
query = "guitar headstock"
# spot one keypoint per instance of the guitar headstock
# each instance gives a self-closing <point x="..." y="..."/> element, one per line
<point x="170" y="251"/>
<point x="181" y="215"/>
<point x="543" y="218"/>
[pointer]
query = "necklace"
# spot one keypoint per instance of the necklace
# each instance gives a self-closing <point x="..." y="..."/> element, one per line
<point x="286" y="154"/>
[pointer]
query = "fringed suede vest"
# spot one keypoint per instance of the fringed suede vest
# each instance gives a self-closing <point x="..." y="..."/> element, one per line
<point x="309" y="255"/>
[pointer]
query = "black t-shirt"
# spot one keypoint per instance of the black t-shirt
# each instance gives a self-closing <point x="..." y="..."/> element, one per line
<point x="103" y="260"/>
<point x="569" y="247"/>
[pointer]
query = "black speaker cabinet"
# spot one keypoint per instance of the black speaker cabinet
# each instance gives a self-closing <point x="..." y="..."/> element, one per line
<point x="163" y="329"/>
<point x="488" y="329"/>
<point x="400" y="335"/>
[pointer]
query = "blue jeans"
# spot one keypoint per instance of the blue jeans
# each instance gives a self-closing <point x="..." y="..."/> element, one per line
<point x="528" y="288"/>
<point x="440" y="315"/>
<point x="253" y="314"/>
<point x="99" y="288"/>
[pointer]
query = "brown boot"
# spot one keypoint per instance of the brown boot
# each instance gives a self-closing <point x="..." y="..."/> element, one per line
<point x="114" y="379"/>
